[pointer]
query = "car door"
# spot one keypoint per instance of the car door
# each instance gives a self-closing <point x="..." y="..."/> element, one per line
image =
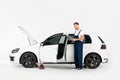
<point x="49" y="50"/>
<point x="70" y="49"/>
<point x="61" y="56"/>
<point x="87" y="43"/>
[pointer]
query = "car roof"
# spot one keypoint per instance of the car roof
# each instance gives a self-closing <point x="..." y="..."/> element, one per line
<point x="91" y="34"/>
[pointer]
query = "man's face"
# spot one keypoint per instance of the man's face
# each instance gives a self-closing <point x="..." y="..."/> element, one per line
<point x="76" y="27"/>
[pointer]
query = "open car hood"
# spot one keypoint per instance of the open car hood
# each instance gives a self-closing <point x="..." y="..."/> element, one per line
<point x="30" y="39"/>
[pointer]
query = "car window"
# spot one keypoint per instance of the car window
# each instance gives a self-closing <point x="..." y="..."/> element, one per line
<point x="87" y="39"/>
<point x="54" y="39"/>
<point x="70" y="36"/>
<point x="62" y="40"/>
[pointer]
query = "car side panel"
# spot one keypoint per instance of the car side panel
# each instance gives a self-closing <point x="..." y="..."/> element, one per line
<point x="70" y="53"/>
<point x="49" y="53"/>
<point x="96" y="48"/>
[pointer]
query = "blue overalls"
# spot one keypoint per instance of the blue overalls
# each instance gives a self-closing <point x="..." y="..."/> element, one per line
<point x="78" y="52"/>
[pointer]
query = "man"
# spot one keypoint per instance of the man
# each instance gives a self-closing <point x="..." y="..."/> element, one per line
<point x="78" y="46"/>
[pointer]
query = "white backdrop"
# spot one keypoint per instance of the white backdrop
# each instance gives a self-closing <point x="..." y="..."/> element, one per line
<point x="42" y="18"/>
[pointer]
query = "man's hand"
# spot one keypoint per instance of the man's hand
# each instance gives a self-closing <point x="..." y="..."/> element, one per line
<point x="74" y="39"/>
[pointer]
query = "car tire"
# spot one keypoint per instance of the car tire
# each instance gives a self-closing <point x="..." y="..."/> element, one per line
<point x="28" y="60"/>
<point x="92" y="61"/>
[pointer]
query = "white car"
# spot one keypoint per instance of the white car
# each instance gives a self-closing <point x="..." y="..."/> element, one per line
<point x="58" y="49"/>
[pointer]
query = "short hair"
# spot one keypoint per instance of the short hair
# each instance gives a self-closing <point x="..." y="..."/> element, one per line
<point x="76" y="23"/>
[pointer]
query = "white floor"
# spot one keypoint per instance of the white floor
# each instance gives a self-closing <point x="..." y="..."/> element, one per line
<point x="11" y="71"/>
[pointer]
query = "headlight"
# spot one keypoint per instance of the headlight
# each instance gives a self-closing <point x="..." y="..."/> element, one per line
<point x="15" y="50"/>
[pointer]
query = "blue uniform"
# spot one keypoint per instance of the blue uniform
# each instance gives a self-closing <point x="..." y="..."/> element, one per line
<point x="78" y="52"/>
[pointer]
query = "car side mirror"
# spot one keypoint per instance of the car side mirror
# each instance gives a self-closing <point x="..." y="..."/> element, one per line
<point x="42" y="43"/>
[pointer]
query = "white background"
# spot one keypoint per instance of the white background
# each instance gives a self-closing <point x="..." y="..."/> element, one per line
<point x="43" y="18"/>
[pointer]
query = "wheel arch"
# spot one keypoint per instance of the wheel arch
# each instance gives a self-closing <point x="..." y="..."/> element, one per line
<point x="28" y="52"/>
<point x="92" y="53"/>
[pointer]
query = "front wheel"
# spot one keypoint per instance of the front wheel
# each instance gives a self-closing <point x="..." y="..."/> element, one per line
<point x="92" y="61"/>
<point x="28" y="60"/>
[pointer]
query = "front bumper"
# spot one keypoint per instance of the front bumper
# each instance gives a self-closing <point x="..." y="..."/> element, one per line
<point x="14" y="58"/>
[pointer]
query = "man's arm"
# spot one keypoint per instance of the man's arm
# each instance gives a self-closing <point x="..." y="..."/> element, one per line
<point x="79" y="39"/>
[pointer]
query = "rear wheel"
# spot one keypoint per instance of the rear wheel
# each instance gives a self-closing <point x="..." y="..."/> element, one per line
<point x="92" y="61"/>
<point x="28" y="60"/>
